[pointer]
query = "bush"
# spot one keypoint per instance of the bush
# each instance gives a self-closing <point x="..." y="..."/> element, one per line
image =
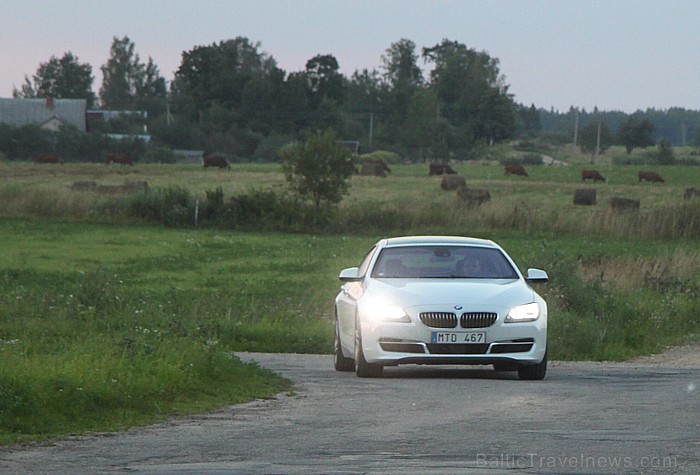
<point x="158" y="154"/>
<point x="172" y="206"/>
<point x="270" y="210"/>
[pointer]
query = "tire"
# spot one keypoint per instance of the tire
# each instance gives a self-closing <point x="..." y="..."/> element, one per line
<point x="363" y="369"/>
<point x="534" y="372"/>
<point x="340" y="361"/>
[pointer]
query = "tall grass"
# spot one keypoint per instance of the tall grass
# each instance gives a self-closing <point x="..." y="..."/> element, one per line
<point x="254" y="197"/>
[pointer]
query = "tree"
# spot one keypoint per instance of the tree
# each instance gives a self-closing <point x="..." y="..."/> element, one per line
<point x="318" y="168"/>
<point x="219" y="74"/>
<point x="64" y="78"/>
<point x="664" y="153"/>
<point x="126" y="78"/>
<point x="635" y="132"/>
<point x="472" y="91"/>
<point x="400" y="65"/>
<point x="324" y="80"/>
<point x="588" y="137"/>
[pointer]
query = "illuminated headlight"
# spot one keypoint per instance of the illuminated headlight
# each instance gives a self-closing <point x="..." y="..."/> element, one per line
<point x="384" y="311"/>
<point x="524" y="313"/>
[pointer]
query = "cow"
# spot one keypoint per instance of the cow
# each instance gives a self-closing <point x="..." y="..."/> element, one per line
<point x="48" y="158"/>
<point x="441" y="169"/>
<point x="215" y="161"/>
<point x="515" y="169"/>
<point x="650" y="176"/>
<point x="117" y="157"/>
<point x="452" y="182"/>
<point x="592" y="175"/>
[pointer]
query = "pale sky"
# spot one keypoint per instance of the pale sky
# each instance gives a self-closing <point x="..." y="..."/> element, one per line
<point x="612" y="54"/>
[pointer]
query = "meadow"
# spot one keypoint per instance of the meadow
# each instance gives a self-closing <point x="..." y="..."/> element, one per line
<point x="109" y="321"/>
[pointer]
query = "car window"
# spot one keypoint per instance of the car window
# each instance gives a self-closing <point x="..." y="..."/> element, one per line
<point x="365" y="262"/>
<point x="452" y="262"/>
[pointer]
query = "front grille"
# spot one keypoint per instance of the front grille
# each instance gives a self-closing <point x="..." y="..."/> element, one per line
<point x="477" y="319"/>
<point x="450" y="349"/>
<point x="439" y="319"/>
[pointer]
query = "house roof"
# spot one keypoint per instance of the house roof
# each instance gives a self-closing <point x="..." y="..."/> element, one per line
<point x="20" y="112"/>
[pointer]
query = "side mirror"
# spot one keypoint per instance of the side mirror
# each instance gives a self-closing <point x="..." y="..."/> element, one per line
<point x="350" y="275"/>
<point x="536" y="276"/>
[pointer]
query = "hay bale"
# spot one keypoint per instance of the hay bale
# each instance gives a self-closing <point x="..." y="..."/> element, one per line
<point x="453" y="182"/>
<point x="585" y="197"/>
<point x="135" y="185"/>
<point x="623" y="204"/>
<point x="372" y="169"/>
<point x="691" y="192"/>
<point x="473" y="196"/>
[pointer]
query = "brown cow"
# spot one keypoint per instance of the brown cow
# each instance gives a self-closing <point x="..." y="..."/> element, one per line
<point x="592" y="175"/>
<point x="650" y="176"/>
<point x="516" y="169"/>
<point x="441" y="169"/>
<point x="48" y="158"/>
<point x="121" y="158"/>
<point x="215" y="161"/>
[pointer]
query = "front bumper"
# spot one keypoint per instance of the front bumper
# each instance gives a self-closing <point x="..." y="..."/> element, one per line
<point x="392" y="344"/>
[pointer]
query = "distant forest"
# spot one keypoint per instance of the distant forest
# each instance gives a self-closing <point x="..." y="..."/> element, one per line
<point x="232" y="99"/>
<point x="679" y="126"/>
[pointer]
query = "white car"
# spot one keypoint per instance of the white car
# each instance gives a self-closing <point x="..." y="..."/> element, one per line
<point x="440" y="300"/>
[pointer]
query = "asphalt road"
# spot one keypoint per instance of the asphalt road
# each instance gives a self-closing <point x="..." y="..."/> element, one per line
<point x="583" y="418"/>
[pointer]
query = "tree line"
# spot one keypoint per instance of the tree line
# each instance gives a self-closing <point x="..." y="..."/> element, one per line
<point x="232" y="98"/>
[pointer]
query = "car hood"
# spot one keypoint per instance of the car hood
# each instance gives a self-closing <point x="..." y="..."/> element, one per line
<point x="473" y="294"/>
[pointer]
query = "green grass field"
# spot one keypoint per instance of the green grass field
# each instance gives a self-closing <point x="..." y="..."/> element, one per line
<point x="108" y="322"/>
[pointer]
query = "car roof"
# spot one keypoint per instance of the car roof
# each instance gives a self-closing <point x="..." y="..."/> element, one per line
<point x="439" y="240"/>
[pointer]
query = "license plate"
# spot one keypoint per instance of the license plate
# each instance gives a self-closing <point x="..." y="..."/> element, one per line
<point x="457" y="337"/>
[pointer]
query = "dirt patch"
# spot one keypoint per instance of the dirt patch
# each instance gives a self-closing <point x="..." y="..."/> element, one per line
<point x="686" y="355"/>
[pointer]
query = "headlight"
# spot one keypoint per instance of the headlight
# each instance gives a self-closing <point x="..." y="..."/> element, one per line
<point x="383" y="311"/>
<point x="524" y="313"/>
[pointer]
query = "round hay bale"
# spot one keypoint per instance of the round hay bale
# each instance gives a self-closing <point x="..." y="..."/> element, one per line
<point x="585" y="197"/>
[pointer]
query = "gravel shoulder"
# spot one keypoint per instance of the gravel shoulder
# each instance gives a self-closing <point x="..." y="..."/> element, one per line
<point x="679" y="356"/>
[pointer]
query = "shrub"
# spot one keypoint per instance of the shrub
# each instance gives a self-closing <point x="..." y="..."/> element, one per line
<point x="158" y="154"/>
<point x="269" y="210"/>
<point x="172" y="206"/>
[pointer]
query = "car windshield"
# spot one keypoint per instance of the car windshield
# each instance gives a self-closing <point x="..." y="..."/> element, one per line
<point x="443" y="262"/>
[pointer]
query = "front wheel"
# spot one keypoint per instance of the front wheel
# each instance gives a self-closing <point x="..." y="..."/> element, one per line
<point x="340" y="361"/>
<point x="363" y="369"/>
<point x="534" y="372"/>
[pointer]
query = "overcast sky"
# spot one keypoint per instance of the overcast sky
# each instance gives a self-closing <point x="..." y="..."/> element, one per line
<point x="614" y="54"/>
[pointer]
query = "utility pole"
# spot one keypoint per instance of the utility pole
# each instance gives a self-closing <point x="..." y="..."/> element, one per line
<point x="576" y="129"/>
<point x="683" y="132"/>
<point x="371" y="128"/>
